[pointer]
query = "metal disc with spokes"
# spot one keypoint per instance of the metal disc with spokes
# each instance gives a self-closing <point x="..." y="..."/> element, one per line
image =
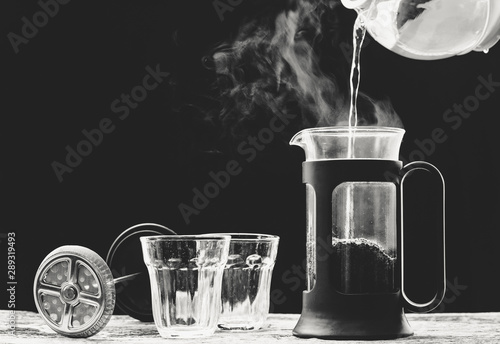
<point x="74" y="291"/>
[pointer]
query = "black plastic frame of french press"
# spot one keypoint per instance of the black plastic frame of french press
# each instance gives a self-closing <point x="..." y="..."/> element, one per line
<point x="326" y="312"/>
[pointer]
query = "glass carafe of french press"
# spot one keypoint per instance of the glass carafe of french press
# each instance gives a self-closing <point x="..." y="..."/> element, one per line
<point x="354" y="187"/>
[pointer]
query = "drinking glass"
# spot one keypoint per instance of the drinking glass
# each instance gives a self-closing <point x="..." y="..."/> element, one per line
<point x="247" y="281"/>
<point x="185" y="273"/>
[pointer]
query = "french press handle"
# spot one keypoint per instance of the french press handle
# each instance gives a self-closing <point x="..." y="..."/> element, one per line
<point x="441" y="261"/>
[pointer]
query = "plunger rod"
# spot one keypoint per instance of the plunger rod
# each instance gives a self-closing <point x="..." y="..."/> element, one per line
<point x="126" y="277"/>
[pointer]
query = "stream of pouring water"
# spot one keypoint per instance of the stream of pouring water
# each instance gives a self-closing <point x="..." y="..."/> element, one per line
<point x="358" y="36"/>
<point x="359" y="33"/>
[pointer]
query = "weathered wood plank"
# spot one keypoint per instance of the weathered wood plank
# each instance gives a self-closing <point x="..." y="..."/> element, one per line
<point x="429" y="328"/>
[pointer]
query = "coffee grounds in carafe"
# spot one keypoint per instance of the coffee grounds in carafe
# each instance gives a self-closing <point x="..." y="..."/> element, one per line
<point x="362" y="266"/>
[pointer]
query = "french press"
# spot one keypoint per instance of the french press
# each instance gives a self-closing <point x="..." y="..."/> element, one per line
<point x="355" y="252"/>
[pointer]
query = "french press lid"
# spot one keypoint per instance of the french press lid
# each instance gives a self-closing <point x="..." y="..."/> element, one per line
<point x="76" y="291"/>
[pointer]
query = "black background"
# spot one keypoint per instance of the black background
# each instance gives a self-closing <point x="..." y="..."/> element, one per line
<point x="65" y="78"/>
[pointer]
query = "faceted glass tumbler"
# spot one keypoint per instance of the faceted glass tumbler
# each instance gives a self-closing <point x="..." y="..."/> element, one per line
<point x="186" y="275"/>
<point x="247" y="281"/>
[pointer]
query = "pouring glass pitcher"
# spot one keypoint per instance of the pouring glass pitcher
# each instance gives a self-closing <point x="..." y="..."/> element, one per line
<point x="355" y="240"/>
<point x="431" y="29"/>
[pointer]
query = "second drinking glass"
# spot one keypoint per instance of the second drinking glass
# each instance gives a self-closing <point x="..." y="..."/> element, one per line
<point x="247" y="281"/>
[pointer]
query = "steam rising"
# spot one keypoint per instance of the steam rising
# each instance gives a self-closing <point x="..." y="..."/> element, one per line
<point x="276" y="65"/>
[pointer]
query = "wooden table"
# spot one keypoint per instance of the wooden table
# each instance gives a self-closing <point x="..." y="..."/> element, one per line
<point x="429" y="328"/>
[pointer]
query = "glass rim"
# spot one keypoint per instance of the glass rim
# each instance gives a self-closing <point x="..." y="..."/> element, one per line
<point x="187" y="237"/>
<point x="357" y="129"/>
<point x="250" y="236"/>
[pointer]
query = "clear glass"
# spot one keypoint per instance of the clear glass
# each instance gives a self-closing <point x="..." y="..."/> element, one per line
<point x="310" y="236"/>
<point x="428" y="29"/>
<point x="364" y="213"/>
<point x="350" y="143"/>
<point x="185" y="272"/>
<point x="364" y="237"/>
<point x="247" y="281"/>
